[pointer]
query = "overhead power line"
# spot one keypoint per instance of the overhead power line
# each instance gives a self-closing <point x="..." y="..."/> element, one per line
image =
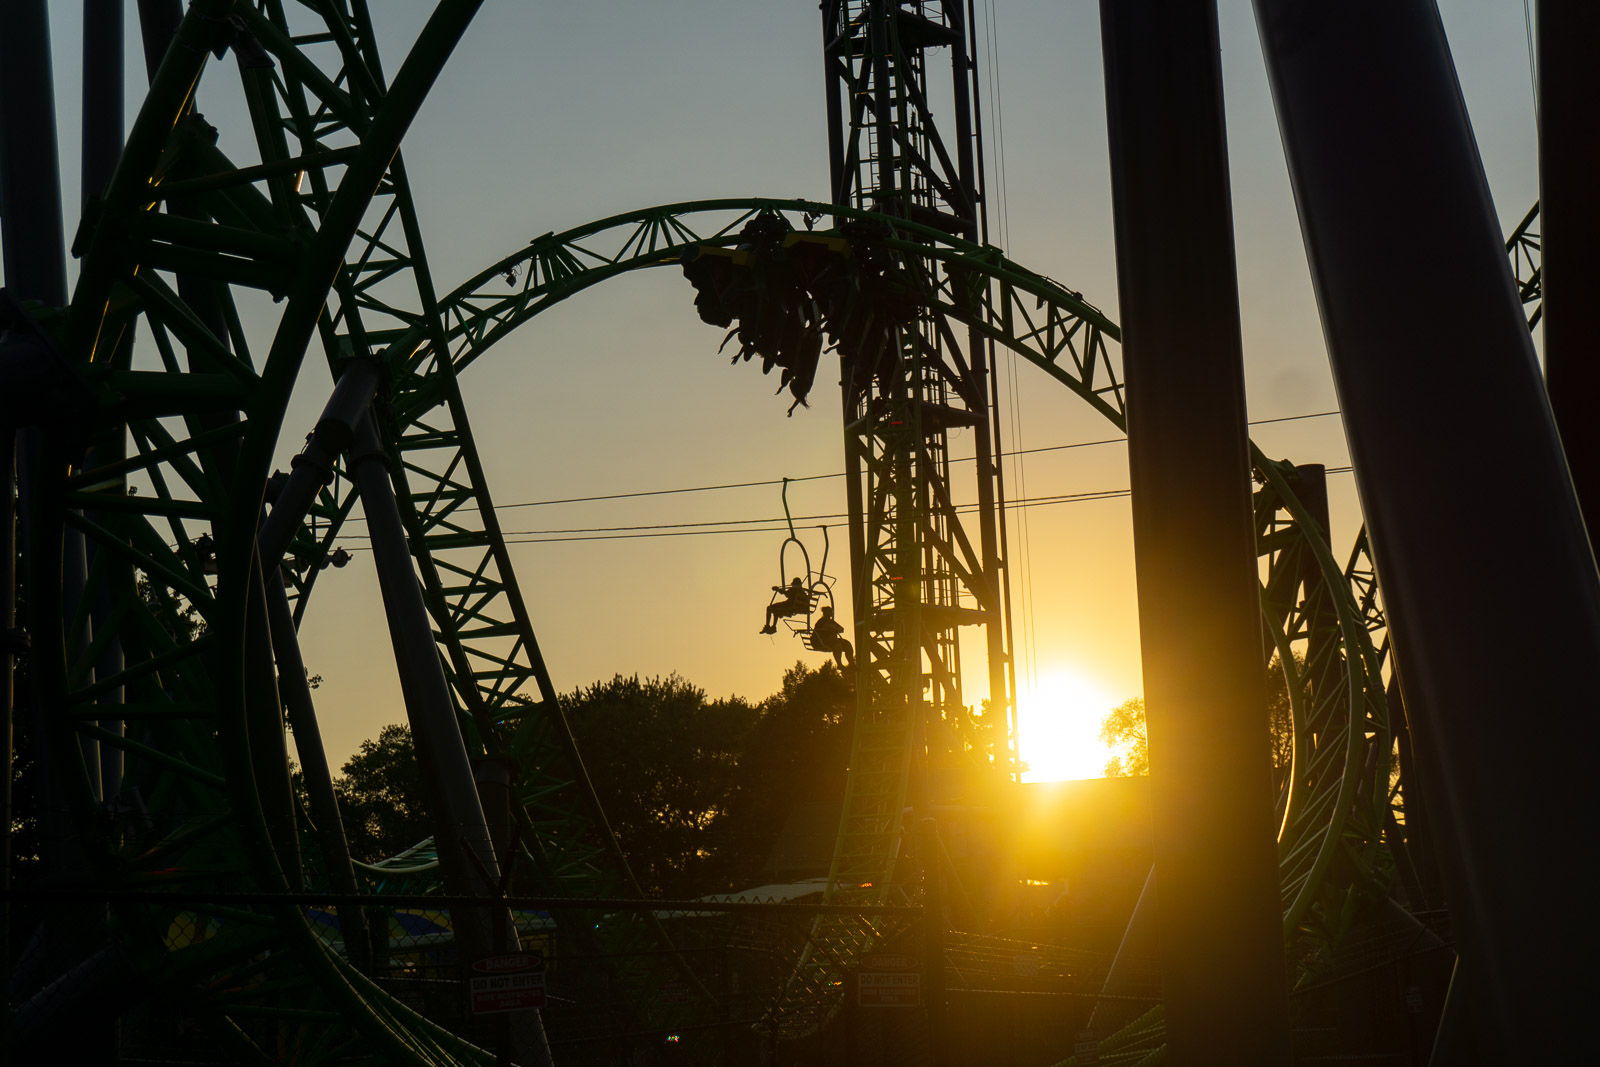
<point x="752" y="526"/>
<point x="821" y="477"/>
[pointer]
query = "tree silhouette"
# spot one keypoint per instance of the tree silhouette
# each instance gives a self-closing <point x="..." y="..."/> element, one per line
<point x="798" y="753"/>
<point x="1123" y="727"/>
<point x="382" y="797"/>
<point x="663" y="761"/>
<point x="696" y="790"/>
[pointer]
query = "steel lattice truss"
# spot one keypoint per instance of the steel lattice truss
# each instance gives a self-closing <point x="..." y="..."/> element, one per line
<point x="167" y="391"/>
<point x="194" y="418"/>
<point x="1523" y="248"/>
<point x="1333" y="815"/>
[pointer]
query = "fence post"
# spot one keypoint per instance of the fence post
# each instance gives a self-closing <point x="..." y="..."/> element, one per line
<point x="933" y="941"/>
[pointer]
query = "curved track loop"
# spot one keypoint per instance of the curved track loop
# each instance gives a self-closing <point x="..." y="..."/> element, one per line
<point x="1330" y="845"/>
<point x="322" y="221"/>
<point x="188" y="423"/>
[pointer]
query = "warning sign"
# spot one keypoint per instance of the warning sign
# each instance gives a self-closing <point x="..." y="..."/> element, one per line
<point x="889" y="980"/>
<point x="512" y="982"/>
<point x="673" y="993"/>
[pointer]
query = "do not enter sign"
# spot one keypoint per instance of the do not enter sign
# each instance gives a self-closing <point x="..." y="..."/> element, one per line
<point x="512" y="982"/>
<point x="888" y="980"/>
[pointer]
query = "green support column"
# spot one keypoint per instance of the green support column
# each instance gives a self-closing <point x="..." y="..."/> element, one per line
<point x="1216" y="876"/>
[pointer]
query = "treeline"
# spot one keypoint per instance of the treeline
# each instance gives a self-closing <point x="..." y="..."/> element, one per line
<point x="697" y="790"/>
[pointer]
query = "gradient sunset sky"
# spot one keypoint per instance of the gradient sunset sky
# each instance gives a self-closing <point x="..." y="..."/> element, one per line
<point x="551" y="115"/>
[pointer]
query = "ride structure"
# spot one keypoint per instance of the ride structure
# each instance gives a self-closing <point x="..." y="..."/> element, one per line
<point x="162" y="743"/>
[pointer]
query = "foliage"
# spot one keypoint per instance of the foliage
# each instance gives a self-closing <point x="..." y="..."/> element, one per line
<point x="1123" y="727"/>
<point x="798" y="753"/>
<point x="383" y="799"/>
<point x="663" y="760"/>
<point x="172" y="612"/>
<point x="696" y="790"/>
<point x="1280" y="717"/>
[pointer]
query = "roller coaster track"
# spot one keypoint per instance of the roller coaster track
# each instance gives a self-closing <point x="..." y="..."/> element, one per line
<point x="321" y="224"/>
<point x="1333" y="811"/>
<point x="201" y="414"/>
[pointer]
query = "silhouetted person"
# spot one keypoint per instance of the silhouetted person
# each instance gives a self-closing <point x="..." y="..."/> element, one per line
<point x="796" y="601"/>
<point x="828" y="636"/>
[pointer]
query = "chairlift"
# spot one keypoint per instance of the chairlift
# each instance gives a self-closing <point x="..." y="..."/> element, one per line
<point x="817" y="584"/>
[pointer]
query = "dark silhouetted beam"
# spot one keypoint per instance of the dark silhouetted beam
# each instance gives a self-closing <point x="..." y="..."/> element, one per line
<point x="1569" y="228"/>
<point x="30" y="176"/>
<point x="1458" y="463"/>
<point x="1218" y="914"/>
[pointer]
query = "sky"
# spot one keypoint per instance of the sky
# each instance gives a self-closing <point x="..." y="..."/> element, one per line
<point x="551" y="115"/>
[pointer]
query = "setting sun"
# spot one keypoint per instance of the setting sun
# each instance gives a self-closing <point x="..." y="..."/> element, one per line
<point x="1059" y="722"/>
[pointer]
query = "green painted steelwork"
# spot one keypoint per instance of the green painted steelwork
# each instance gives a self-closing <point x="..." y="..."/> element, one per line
<point x="201" y="414"/>
<point x="322" y="221"/>
<point x="1330" y="848"/>
<point x="1523" y="247"/>
<point x="1144" y="1039"/>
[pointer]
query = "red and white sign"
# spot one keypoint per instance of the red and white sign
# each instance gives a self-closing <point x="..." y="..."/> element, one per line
<point x="888" y="980"/>
<point x="512" y="982"/>
<point x="511" y="961"/>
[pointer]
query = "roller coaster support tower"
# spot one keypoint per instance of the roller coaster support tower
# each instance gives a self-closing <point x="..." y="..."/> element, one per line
<point x="917" y="574"/>
<point x="1447" y="383"/>
<point x="1211" y="796"/>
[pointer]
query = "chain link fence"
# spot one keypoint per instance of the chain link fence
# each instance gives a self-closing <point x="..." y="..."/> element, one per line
<point x="169" y="977"/>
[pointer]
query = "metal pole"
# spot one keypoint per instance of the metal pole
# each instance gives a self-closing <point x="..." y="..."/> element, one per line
<point x="269" y="751"/>
<point x="34" y="258"/>
<point x="1457" y="460"/>
<point x="302" y="716"/>
<point x="834" y="95"/>
<point x="878" y="14"/>
<point x="102" y="146"/>
<point x="933" y="942"/>
<point x="1569" y="229"/>
<point x="1215" y="857"/>
<point x="462" y="831"/>
<point x="461" y="834"/>
<point x="986" y="431"/>
<point x="74" y="578"/>
<point x="493" y="779"/>
<point x="12" y="643"/>
<point x="310" y="469"/>
<point x="102" y="93"/>
<point x="30" y="178"/>
<point x="158" y="24"/>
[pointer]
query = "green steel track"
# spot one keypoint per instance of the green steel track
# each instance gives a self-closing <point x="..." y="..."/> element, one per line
<point x="319" y="230"/>
<point x="1333" y="812"/>
<point x="191" y="422"/>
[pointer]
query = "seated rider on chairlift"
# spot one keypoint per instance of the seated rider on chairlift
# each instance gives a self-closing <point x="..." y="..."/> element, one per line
<point x="796" y="601"/>
<point x="828" y="636"/>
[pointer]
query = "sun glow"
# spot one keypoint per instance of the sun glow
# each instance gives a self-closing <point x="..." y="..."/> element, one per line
<point x="1059" y="722"/>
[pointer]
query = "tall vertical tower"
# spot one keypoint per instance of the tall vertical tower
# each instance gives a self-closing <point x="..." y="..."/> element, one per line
<point x="925" y="548"/>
